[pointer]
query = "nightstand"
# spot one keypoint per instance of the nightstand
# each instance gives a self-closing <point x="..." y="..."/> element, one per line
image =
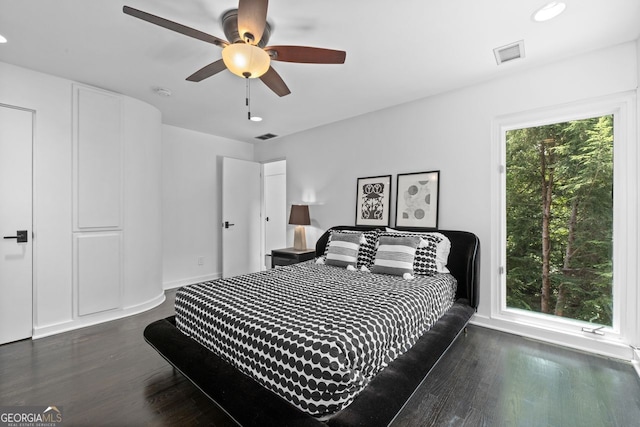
<point x="288" y="256"/>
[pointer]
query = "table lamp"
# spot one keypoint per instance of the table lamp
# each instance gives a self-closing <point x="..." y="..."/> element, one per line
<point x="299" y="217"/>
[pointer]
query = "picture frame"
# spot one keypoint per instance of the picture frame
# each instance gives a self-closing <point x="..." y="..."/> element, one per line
<point x="373" y="198"/>
<point x="417" y="200"/>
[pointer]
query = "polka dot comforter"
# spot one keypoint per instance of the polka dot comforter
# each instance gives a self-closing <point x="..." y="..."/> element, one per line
<point x="313" y="334"/>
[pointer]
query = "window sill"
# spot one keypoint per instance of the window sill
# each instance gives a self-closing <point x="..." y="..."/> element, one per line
<point x="608" y="345"/>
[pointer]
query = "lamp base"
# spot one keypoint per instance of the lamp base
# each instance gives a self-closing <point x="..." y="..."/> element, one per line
<point x="299" y="238"/>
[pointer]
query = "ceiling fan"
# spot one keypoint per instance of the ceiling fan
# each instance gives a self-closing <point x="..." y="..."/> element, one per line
<point x="245" y="54"/>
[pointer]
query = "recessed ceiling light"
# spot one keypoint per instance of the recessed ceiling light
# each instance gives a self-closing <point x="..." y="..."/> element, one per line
<point x="256" y="119"/>
<point x="2" y="39"/>
<point x="549" y="11"/>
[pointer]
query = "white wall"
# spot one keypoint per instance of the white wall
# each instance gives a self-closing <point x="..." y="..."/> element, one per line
<point x="51" y="98"/>
<point x="191" y="196"/>
<point x="449" y="132"/>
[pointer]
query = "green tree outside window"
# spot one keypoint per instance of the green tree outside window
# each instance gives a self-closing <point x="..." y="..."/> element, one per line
<point x="559" y="202"/>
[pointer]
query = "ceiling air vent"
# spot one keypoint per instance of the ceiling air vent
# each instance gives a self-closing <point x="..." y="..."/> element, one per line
<point x="266" y="136"/>
<point x="509" y="52"/>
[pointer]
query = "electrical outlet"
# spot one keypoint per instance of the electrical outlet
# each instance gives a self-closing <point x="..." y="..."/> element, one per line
<point x="200" y="260"/>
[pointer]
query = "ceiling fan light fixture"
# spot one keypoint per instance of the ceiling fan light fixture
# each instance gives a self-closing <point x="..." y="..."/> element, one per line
<point x="246" y="60"/>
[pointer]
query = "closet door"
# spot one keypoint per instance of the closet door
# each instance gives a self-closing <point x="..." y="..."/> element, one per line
<point x="275" y="207"/>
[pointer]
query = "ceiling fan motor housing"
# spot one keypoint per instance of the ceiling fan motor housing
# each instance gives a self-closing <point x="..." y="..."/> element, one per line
<point x="230" y="27"/>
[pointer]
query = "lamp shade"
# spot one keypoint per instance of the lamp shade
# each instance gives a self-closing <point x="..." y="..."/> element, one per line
<point x="246" y="60"/>
<point x="299" y="215"/>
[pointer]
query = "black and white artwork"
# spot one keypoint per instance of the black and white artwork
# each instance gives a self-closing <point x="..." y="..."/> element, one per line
<point x="373" y="199"/>
<point x="417" y="200"/>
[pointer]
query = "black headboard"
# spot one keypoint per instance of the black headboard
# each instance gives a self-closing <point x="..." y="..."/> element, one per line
<point x="464" y="258"/>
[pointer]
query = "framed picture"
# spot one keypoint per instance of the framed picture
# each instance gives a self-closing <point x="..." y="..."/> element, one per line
<point x="373" y="199"/>
<point x="417" y="200"/>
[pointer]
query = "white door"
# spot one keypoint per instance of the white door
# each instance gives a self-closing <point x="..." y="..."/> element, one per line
<point x="16" y="302"/>
<point x="275" y="207"/>
<point x="240" y="217"/>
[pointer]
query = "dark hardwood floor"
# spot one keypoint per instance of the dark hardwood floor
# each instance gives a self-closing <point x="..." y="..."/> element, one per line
<point x="108" y="375"/>
<point x="491" y="378"/>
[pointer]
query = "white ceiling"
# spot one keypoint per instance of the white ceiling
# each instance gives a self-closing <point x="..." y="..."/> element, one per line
<point x="397" y="51"/>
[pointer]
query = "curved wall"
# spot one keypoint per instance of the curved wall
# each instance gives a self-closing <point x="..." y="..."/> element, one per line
<point x="142" y="203"/>
<point x="55" y="294"/>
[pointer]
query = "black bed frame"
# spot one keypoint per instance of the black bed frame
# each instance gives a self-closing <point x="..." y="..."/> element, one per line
<point x="250" y="404"/>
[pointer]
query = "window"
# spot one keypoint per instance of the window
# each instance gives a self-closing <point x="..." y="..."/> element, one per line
<point x="582" y="160"/>
<point x="559" y="219"/>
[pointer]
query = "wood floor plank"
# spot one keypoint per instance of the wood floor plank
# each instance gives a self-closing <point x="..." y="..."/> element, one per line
<point x="107" y="375"/>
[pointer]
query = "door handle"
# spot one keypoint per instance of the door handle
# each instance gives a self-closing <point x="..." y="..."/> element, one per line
<point x="227" y="224"/>
<point x="21" y="236"/>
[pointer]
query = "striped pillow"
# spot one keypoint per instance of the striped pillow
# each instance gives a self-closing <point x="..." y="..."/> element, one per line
<point x="343" y="249"/>
<point x="395" y="255"/>
<point x="429" y="258"/>
<point x="367" y="250"/>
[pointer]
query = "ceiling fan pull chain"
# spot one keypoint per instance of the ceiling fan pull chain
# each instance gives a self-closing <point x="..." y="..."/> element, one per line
<point x="247" y="99"/>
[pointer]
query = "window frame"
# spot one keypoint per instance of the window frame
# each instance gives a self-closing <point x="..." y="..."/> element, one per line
<point x="624" y="331"/>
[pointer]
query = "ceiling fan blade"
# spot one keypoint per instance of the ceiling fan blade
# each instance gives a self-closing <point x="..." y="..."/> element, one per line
<point x="207" y="71"/>
<point x="174" y="26"/>
<point x="273" y="80"/>
<point x="252" y="18"/>
<point x="307" y="55"/>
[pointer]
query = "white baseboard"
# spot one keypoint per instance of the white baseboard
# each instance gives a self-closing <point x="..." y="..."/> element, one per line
<point x="190" y="281"/>
<point x="636" y="360"/>
<point x="82" y="322"/>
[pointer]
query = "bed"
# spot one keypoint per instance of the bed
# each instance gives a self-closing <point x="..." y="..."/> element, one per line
<point x="364" y="400"/>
